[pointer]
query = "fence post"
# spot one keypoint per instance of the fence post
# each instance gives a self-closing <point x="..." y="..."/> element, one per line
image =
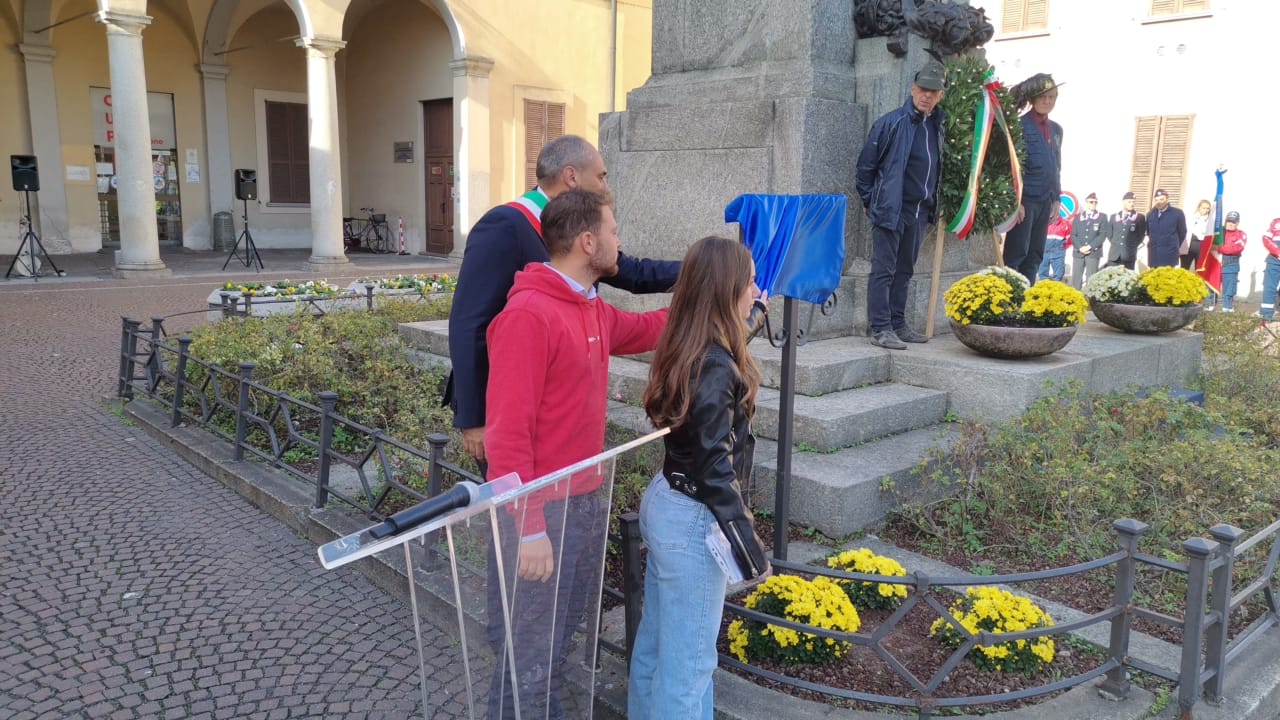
<point x="180" y="379"/>
<point x="242" y="410"/>
<point x="435" y="484"/>
<point x="123" y="375"/>
<point x="368" y="296"/>
<point x="127" y="357"/>
<point x="1190" y="683"/>
<point x="1216" y="635"/>
<point x="248" y="305"/>
<point x="153" y="357"/>
<point x="632" y="577"/>
<point x="1128" y="532"/>
<point x="328" y="401"/>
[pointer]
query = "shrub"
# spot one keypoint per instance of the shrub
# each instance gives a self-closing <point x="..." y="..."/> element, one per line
<point x="993" y="610"/>
<point x="866" y="594"/>
<point x="819" y="602"/>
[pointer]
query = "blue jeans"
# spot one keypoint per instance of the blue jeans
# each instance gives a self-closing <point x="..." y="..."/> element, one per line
<point x="1024" y="243"/>
<point x="675" y="651"/>
<point x="1230" y="279"/>
<point x="1053" y="266"/>
<point x="893" y="262"/>
<point x="1270" y="281"/>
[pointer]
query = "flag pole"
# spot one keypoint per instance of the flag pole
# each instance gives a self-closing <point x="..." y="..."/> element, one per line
<point x="933" y="287"/>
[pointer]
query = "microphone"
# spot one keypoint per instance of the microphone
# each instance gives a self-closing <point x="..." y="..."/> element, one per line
<point x="458" y="496"/>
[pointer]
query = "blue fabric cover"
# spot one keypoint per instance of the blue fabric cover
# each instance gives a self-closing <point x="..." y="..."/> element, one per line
<point x="797" y="242"/>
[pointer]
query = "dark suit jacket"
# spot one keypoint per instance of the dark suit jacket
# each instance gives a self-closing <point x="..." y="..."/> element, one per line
<point x="501" y="243"/>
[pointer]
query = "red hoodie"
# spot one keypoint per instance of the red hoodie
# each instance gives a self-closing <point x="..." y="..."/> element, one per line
<point x="548" y="386"/>
<point x="1271" y="238"/>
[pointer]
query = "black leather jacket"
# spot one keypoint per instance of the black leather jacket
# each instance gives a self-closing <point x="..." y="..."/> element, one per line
<point x="709" y="455"/>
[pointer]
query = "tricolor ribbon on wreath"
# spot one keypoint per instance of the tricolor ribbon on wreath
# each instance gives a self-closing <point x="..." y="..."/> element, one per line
<point x="987" y="113"/>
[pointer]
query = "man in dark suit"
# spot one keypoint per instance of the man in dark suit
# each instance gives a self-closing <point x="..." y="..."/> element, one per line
<point x="1166" y="229"/>
<point x="1126" y="231"/>
<point x="506" y="239"/>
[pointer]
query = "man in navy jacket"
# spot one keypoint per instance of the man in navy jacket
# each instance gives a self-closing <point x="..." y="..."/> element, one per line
<point x="1166" y="229"/>
<point x="506" y="239"/>
<point x="898" y="179"/>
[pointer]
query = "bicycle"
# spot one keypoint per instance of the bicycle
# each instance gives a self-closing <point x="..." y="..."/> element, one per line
<point x="369" y="233"/>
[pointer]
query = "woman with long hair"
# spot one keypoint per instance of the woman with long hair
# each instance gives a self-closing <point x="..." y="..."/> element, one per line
<point x="702" y="385"/>
<point x="1200" y="226"/>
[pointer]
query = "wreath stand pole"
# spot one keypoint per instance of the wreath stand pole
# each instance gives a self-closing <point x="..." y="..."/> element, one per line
<point x="995" y="237"/>
<point x="933" y="287"/>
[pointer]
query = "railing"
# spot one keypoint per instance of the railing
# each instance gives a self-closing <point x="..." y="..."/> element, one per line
<point x="148" y="364"/>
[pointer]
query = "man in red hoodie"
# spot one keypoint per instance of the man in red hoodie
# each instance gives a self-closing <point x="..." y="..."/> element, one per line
<point x="547" y="399"/>
<point x="1271" y="278"/>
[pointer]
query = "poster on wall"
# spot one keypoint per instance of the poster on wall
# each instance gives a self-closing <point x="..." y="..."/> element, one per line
<point x="159" y="112"/>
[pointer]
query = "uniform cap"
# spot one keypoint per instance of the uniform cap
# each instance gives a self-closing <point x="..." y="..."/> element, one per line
<point x="1233" y="216"/>
<point x="1033" y="87"/>
<point x="1091" y="196"/>
<point x="1161" y="193"/>
<point x="1127" y="196"/>
<point x="933" y="76"/>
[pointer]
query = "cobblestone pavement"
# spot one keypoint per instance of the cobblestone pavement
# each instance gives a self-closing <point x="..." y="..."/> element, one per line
<point x="132" y="585"/>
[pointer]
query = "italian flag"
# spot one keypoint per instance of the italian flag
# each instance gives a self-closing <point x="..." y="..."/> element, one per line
<point x="1209" y="267"/>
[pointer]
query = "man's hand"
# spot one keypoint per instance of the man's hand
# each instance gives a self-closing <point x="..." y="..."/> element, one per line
<point x="1022" y="212"/>
<point x="1086" y="250"/>
<point x="536" y="560"/>
<point x="473" y="442"/>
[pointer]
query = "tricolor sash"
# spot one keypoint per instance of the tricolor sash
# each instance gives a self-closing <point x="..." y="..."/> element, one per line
<point x="530" y="205"/>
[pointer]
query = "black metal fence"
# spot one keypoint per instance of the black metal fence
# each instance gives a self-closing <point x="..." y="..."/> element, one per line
<point x="163" y="371"/>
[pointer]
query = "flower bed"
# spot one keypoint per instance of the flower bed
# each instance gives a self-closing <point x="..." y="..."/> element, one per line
<point x="288" y="296"/>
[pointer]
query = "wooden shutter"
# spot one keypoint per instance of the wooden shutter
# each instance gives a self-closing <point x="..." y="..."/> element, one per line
<point x="288" y="162"/>
<point x="1012" y="15"/>
<point x="1175" y="7"/>
<point x="543" y="122"/>
<point x="1037" y="15"/>
<point x="1023" y="15"/>
<point x="1161" y="147"/>
<point x="1175" y="147"/>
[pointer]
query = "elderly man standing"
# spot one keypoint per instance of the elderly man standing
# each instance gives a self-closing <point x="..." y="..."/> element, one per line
<point x="1166" y="229"/>
<point x="505" y="240"/>
<point x="898" y="179"/>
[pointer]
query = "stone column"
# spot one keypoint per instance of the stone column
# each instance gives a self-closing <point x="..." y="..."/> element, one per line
<point x="326" y="158"/>
<point x="50" y="211"/>
<point x="471" y="143"/>
<point x="139" y="240"/>
<point x="217" y="139"/>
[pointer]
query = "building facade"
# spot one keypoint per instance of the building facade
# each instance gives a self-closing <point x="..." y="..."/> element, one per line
<point x="1156" y="94"/>
<point x="139" y="112"/>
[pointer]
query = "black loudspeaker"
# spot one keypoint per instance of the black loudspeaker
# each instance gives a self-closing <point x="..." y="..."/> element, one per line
<point x="246" y="184"/>
<point x="26" y="177"/>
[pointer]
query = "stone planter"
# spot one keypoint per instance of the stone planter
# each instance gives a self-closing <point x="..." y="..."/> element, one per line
<point x="1012" y="343"/>
<point x="1144" y="319"/>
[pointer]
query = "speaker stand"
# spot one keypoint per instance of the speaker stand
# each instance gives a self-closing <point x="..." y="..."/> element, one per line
<point x="31" y="245"/>
<point x="251" y="257"/>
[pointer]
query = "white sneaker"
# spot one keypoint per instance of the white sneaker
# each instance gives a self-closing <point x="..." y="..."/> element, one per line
<point x="1208" y="308"/>
<point x="1227" y="309"/>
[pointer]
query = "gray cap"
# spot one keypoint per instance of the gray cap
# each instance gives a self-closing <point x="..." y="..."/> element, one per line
<point x="933" y="76"/>
<point x="1233" y="216"/>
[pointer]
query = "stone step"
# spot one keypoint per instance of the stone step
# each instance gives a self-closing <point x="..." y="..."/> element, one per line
<point x="822" y="366"/>
<point x="849" y="417"/>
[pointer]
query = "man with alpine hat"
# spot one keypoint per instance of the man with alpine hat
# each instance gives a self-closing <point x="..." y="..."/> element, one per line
<point x="898" y="181"/>
<point x="1041" y="175"/>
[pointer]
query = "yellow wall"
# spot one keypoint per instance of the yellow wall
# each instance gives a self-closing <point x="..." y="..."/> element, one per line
<point x="82" y="63"/>
<point x="396" y="57"/>
<point x="15" y="132"/>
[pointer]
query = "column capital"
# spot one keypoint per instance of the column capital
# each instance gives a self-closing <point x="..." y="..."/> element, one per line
<point x="36" y="53"/>
<point x="319" y="46"/>
<point x="471" y="66"/>
<point x="123" y="23"/>
<point x="213" y="72"/>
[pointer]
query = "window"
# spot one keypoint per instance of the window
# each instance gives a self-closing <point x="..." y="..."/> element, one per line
<point x="543" y="122"/>
<point x="1025" y="16"/>
<point x="288" y="161"/>
<point x="1177" y="7"/>
<point x="1160" y="149"/>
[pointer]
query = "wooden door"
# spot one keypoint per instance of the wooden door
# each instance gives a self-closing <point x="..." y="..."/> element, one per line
<point x="438" y="164"/>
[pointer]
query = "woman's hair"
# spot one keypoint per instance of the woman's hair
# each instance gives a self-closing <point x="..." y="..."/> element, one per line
<point x="1203" y="202"/>
<point x="704" y="310"/>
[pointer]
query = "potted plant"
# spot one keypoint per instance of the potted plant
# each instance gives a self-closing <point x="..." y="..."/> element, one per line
<point x="993" y="312"/>
<point x="1158" y="300"/>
